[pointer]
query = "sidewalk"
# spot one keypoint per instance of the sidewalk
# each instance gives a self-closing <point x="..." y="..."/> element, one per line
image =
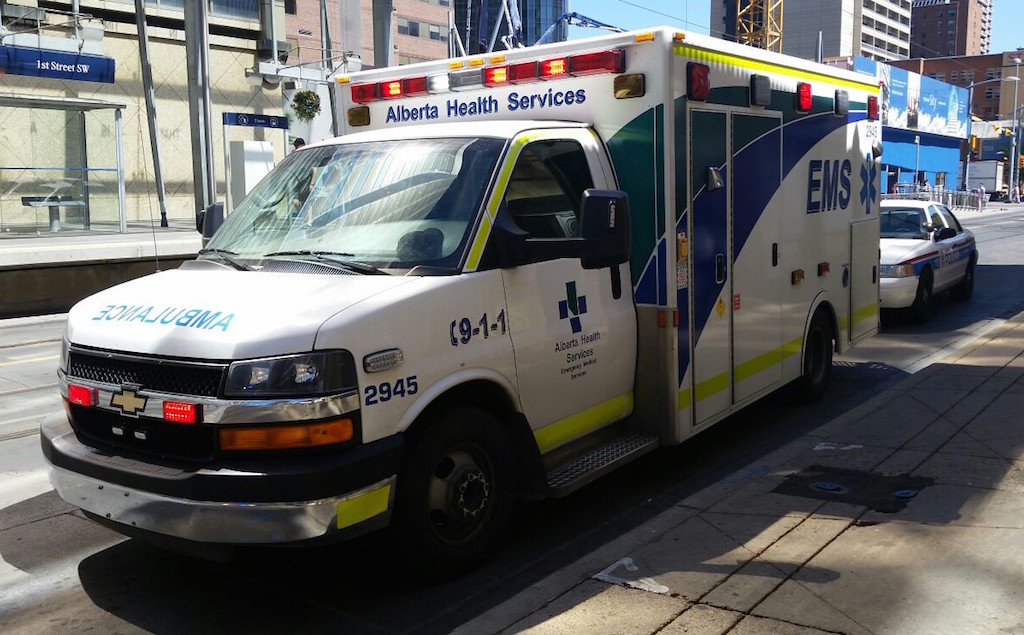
<point x="903" y="516"/>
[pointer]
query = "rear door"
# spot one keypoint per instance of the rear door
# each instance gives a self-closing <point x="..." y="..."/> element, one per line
<point x="864" y="252"/>
<point x="710" y="180"/>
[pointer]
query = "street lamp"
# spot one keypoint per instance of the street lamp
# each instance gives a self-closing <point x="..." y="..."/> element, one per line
<point x="1013" y="146"/>
<point x="917" y="163"/>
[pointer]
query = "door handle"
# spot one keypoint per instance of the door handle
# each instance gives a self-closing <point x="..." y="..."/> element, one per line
<point x="720" y="268"/>
<point x="775" y="254"/>
<point x="874" y="275"/>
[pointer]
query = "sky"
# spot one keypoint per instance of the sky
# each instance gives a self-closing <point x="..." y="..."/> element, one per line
<point x="695" y="15"/>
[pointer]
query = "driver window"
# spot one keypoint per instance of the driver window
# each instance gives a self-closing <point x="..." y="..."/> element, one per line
<point x="545" y="188"/>
<point x="950" y="220"/>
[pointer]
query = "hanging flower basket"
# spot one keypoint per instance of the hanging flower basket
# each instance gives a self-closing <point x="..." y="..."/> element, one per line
<point x="306" y="105"/>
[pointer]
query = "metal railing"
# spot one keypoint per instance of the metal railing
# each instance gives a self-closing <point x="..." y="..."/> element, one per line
<point x="963" y="199"/>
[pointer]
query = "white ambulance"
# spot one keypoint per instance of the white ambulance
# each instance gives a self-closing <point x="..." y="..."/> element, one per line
<point x="512" y="274"/>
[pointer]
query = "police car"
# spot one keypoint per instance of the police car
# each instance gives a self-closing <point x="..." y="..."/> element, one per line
<point x="924" y="251"/>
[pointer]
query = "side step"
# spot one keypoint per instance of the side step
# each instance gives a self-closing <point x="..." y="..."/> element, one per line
<point x="598" y="461"/>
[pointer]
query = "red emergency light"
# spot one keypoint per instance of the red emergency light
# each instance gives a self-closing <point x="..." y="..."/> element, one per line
<point x="522" y="72"/>
<point x="872" y="108"/>
<point x="698" y="81"/>
<point x="613" y="61"/>
<point x="81" y="395"/>
<point x="803" y="97"/>
<point x="414" y="86"/>
<point x="181" y="412"/>
<point x="495" y="75"/>
<point x="362" y="93"/>
<point x="553" y="69"/>
<point x="391" y="89"/>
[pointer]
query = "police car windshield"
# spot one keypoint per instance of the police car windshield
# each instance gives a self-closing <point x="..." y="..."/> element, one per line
<point x="392" y="204"/>
<point x="902" y="222"/>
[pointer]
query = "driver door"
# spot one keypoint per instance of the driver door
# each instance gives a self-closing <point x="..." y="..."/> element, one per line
<point x="573" y="329"/>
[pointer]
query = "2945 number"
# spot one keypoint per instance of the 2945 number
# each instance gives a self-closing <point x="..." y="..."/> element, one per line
<point x="386" y="391"/>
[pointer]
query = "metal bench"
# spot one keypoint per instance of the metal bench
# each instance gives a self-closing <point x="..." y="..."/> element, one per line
<point x="54" y="203"/>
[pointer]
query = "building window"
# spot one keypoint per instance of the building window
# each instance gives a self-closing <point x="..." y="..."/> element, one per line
<point x="953" y="76"/>
<point x="243" y="9"/>
<point x="289" y="7"/>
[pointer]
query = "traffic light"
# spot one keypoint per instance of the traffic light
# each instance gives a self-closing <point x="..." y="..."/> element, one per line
<point x="1020" y="161"/>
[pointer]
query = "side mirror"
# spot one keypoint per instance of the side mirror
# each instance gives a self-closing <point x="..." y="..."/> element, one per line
<point x="209" y="220"/>
<point x="605" y="222"/>
<point x="944" y="233"/>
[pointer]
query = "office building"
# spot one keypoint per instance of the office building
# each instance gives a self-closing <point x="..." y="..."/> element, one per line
<point x="944" y="28"/>
<point x="876" y="29"/>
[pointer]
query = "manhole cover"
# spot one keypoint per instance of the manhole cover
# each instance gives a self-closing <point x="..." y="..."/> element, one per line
<point x="884" y="493"/>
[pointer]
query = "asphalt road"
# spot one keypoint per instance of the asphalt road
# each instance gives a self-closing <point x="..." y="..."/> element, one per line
<point x="62" y="573"/>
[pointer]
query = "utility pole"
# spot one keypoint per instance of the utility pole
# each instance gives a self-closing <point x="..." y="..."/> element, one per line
<point x="197" y="59"/>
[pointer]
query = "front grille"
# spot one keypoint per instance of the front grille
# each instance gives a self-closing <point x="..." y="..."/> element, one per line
<point x="155" y="375"/>
<point x="190" y="442"/>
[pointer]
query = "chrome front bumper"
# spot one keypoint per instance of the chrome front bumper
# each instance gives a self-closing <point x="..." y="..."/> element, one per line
<point x="201" y="521"/>
<point x="287" y="499"/>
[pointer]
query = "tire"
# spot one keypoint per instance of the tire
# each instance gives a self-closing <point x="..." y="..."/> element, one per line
<point x="924" y="303"/>
<point x="817" y="366"/>
<point x="963" y="291"/>
<point x="455" y="493"/>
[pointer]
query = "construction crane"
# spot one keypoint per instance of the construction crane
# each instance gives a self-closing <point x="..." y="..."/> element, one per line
<point x="575" y="19"/>
<point x="759" y="23"/>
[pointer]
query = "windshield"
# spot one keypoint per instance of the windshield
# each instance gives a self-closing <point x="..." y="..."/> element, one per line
<point x="391" y="204"/>
<point x="902" y="223"/>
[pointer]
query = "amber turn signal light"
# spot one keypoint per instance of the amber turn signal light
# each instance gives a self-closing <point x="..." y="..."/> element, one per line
<point x="286" y="437"/>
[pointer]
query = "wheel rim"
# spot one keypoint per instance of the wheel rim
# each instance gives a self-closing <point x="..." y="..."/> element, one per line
<point x="816" y="354"/>
<point x="460" y="493"/>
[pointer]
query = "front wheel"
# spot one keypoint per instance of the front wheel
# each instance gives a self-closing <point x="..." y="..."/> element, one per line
<point x="817" y="359"/>
<point x="455" y="493"/>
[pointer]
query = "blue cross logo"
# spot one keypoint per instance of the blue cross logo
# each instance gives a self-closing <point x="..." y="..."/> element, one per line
<point x="868" y="192"/>
<point x="576" y="305"/>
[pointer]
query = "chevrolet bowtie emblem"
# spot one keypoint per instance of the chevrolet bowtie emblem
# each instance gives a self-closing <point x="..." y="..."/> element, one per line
<point x="129" y="401"/>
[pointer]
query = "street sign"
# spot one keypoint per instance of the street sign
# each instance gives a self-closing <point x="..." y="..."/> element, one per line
<point x="252" y="120"/>
<point x="36" y="62"/>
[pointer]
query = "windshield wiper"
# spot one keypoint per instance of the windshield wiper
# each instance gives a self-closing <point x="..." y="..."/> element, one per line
<point x="225" y="255"/>
<point x="331" y="257"/>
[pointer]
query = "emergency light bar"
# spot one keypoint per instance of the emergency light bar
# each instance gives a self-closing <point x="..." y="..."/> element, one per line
<point x="610" y="61"/>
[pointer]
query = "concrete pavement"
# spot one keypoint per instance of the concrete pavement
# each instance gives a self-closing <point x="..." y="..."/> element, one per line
<point x="903" y="516"/>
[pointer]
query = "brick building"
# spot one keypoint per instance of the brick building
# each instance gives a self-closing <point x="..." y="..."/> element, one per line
<point x="945" y="28"/>
<point x="420" y="30"/>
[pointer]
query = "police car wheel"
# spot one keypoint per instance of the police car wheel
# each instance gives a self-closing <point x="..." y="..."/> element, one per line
<point x="921" y="310"/>
<point x="817" y="359"/>
<point x="455" y="492"/>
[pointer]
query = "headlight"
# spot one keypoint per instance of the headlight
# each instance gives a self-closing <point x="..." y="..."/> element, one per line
<point x="896" y="271"/>
<point x="306" y="375"/>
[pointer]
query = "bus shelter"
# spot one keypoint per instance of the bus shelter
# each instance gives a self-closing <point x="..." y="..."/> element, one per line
<point x="61" y="165"/>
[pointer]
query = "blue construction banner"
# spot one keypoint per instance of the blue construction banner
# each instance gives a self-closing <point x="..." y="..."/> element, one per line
<point x="34" y="62"/>
<point x="253" y="120"/>
<point x="913" y="102"/>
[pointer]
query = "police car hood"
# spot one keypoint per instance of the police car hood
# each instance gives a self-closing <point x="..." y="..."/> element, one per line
<point x="219" y="314"/>
<point x="897" y="250"/>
